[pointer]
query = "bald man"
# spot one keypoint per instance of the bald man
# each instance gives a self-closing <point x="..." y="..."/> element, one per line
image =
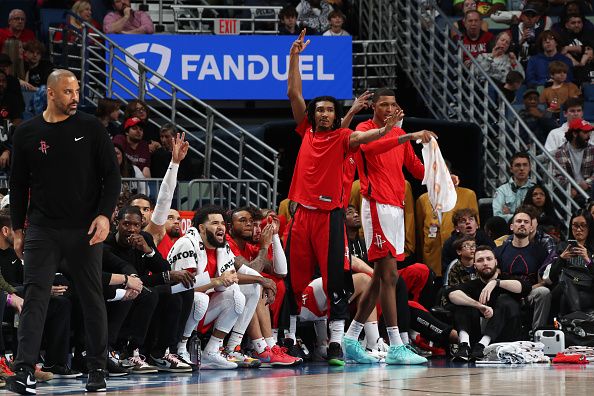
<point x="65" y="180"/>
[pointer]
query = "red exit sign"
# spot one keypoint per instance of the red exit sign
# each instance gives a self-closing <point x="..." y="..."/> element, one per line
<point x="226" y="26"/>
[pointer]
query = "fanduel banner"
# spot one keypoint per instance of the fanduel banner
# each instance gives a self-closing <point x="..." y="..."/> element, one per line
<point x="237" y="67"/>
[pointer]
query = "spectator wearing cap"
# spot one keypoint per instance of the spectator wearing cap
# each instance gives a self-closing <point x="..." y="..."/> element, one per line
<point x="16" y="28"/>
<point x="549" y="46"/>
<point x="484" y="7"/>
<point x="572" y="109"/>
<point x="576" y="156"/>
<point x="538" y="121"/>
<point x="337" y="19"/>
<point x="135" y="148"/>
<point x="524" y="34"/>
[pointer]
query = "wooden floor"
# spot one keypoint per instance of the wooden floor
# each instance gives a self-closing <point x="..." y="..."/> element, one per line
<point x="316" y="379"/>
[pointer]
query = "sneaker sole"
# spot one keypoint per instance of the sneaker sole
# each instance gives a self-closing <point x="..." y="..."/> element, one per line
<point x="27" y="391"/>
<point x="175" y="370"/>
<point x="248" y="365"/>
<point x="151" y="371"/>
<point x="397" y="363"/>
<point x="65" y="376"/>
<point x="96" y="390"/>
<point x="336" y="362"/>
<point x="206" y="367"/>
<point x="117" y="374"/>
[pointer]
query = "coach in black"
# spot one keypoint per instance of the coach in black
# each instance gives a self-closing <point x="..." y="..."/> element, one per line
<point x="64" y="178"/>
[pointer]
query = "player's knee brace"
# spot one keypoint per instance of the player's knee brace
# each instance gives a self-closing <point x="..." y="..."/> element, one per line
<point x="200" y="307"/>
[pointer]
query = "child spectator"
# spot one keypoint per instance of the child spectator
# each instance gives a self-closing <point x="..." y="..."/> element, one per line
<point x="556" y="95"/>
<point x="288" y="21"/>
<point x="337" y="19"/>
<point x="37" y="69"/>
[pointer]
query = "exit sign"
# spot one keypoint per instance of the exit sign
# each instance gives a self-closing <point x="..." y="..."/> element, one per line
<point x="226" y="26"/>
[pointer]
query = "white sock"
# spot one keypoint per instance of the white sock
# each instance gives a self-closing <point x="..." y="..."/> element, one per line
<point x="270" y="341"/>
<point x="486" y="340"/>
<point x="394" y="336"/>
<point x="354" y="330"/>
<point x="292" y="328"/>
<point x="234" y="340"/>
<point x="182" y="345"/>
<point x="259" y="345"/>
<point x="463" y="337"/>
<point x="337" y="330"/>
<point x="404" y="338"/>
<point x="371" y="335"/>
<point x="213" y="345"/>
<point x="321" y="328"/>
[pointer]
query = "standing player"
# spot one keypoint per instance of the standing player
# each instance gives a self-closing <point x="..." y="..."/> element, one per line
<point x="317" y="234"/>
<point x="382" y="187"/>
<point x="64" y="178"/>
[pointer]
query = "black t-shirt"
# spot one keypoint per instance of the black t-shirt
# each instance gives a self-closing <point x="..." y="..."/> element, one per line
<point x="473" y="289"/>
<point x="11" y="267"/>
<point x="522" y="263"/>
<point x="38" y="75"/>
<point x="63" y="174"/>
<point x="358" y="248"/>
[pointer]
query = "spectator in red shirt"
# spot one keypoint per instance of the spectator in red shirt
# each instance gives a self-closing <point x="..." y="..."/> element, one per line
<point x="16" y="28"/>
<point x="474" y="39"/>
<point x="135" y="148"/>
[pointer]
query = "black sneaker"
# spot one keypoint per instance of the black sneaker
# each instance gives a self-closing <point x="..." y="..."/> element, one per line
<point x="96" y="381"/>
<point x="335" y="356"/>
<point x="61" y="371"/>
<point x="478" y="352"/>
<point x="463" y="353"/>
<point x="22" y="382"/>
<point x="79" y="364"/>
<point x="115" y="369"/>
<point x="293" y="349"/>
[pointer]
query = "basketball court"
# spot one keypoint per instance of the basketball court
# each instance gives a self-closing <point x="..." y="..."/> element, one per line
<point x="441" y="377"/>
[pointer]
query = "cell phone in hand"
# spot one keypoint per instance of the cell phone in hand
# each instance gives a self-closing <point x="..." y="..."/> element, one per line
<point x="572" y="242"/>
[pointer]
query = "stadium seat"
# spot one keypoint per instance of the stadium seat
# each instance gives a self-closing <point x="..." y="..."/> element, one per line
<point x="588" y="92"/>
<point x="50" y="17"/>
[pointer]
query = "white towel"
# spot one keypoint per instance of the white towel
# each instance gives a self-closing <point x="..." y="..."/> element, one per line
<point x="441" y="189"/>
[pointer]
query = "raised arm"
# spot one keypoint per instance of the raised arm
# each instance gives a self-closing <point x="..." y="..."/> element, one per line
<point x="360" y="103"/>
<point x="294" y="85"/>
<point x="156" y="226"/>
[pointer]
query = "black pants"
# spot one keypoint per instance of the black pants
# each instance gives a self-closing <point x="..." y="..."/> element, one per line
<point x="502" y="326"/>
<point x="128" y="321"/>
<point x="57" y="331"/>
<point x="44" y="249"/>
<point x="168" y="321"/>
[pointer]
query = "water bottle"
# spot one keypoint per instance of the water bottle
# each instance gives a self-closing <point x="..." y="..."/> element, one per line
<point x="194" y="348"/>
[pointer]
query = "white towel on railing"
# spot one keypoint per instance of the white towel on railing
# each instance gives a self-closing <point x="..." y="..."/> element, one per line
<point x="441" y="189"/>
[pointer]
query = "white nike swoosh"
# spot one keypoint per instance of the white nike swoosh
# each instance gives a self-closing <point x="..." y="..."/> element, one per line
<point x="79" y="138"/>
<point x="15" y="261"/>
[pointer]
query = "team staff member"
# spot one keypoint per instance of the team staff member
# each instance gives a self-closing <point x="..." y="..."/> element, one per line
<point x="66" y="181"/>
<point x="317" y="234"/>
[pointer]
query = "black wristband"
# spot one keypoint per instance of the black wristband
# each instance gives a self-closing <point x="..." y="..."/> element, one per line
<point x="125" y="284"/>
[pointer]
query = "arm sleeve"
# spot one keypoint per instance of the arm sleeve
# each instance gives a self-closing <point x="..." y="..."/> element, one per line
<point x="381" y="145"/>
<point x="19" y="183"/>
<point x="245" y="270"/>
<point x="279" y="260"/>
<point x="147" y="23"/>
<point x="165" y="196"/>
<point x="108" y="21"/>
<point x="412" y="163"/>
<point x="110" y="173"/>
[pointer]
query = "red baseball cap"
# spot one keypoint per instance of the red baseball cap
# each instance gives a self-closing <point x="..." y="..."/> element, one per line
<point x="130" y="122"/>
<point x="581" y="125"/>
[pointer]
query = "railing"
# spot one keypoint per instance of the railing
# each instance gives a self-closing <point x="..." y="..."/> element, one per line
<point x="227" y="149"/>
<point x="201" y="18"/>
<point x="228" y="193"/>
<point x="433" y="63"/>
<point x="374" y="65"/>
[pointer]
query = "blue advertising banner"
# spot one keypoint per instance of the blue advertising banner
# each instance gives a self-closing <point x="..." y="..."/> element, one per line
<point x="235" y="67"/>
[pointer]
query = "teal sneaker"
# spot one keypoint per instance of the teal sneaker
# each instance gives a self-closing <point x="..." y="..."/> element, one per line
<point x="403" y="355"/>
<point x="353" y="351"/>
